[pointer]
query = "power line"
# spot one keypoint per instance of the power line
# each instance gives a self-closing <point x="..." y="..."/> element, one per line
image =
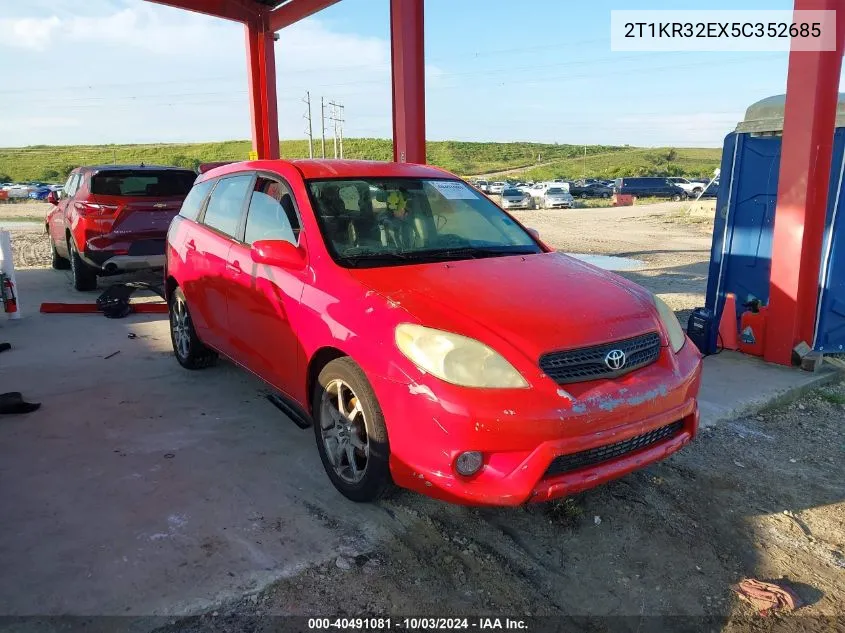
<point x="310" y="134"/>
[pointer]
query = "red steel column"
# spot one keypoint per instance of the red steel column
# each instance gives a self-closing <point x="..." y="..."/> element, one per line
<point x="812" y="91"/>
<point x="408" y="61"/>
<point x="262" y="87"/>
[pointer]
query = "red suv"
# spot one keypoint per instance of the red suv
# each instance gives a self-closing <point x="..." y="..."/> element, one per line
<point x="114" y="218"/>
<point x="431" y="340"/>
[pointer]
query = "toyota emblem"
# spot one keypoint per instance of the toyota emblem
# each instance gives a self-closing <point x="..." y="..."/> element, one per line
<point x="615" y="359"/>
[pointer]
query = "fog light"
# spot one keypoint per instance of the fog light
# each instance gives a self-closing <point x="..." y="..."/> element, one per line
<point x="468" y="463"/>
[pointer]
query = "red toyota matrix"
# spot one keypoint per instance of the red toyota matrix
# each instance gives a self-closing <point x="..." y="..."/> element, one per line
<point x="431" y="340"/>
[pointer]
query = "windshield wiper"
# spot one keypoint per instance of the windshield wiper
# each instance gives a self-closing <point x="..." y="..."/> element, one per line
<point x="474" y="252"/>
<point x="375" y="256"/>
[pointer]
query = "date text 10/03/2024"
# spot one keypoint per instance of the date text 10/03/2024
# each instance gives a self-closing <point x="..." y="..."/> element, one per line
<point x="422" y="623"/>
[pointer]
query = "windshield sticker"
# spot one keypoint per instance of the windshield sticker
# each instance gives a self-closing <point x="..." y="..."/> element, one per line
<point x="453" y="189"/>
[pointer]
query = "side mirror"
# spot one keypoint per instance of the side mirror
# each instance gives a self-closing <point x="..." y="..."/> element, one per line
<point x="534" y="233"/>
<point x="53" y="197"/>
<point x="278" y="253"/>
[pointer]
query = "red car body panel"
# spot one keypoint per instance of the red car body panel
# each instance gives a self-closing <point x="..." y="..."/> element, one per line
<point x="105" y="229"/>
<point x="520" y="306"/>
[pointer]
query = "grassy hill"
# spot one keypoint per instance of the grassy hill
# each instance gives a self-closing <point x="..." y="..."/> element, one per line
<point x="532" y="160"/>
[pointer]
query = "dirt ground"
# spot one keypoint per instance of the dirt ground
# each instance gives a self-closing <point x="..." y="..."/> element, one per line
<point x="758" y="497"/>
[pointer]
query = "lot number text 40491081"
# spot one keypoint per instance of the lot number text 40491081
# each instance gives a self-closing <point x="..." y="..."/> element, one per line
<point x="416" y="624"/>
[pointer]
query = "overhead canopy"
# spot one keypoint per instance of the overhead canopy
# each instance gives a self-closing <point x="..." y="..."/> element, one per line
<point x="277" y="13"/>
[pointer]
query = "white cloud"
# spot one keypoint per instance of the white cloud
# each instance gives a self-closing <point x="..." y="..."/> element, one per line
<point x="29" y="33"/>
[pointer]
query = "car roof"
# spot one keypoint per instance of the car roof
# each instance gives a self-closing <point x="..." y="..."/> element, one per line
<point x="336" y="168"/>
<point x="138" y="167"/>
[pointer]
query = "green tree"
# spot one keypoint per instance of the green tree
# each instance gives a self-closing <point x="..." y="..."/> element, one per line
<point x="5" y="178"/>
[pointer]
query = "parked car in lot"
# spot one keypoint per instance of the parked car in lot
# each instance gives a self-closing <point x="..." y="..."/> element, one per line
<point x="318" y="276"/>
<point x="516" y="199"/>
<point x="497" y="188"/>
<point x="590" y="190"/>
<point x="483" y="186"/>
<point x="691" y="187"/>
<point x="654" y="187"/>
<point x="114" y="218"/>
<point x="711" y="190"/>
<point x="557" y="198"/>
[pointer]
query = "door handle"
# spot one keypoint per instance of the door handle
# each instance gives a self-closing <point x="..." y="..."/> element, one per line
<point x="234" y="266"/>
<point x="190" y="245"/>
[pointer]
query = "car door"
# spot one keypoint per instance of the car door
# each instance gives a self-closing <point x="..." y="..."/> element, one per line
<point x="264" y="297"/>
<point x="56" y="220"/>
<point x="208" y="246"/>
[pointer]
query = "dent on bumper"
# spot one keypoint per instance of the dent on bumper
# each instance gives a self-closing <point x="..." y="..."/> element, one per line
<point x="520" y="444"/>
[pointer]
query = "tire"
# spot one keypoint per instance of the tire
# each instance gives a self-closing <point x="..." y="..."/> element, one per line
<point x="58" y="262"/>
<point x="361" y="441"/>
<point x="189" y="351"/>
<point x="696" y="192"/>
<point x="583" y="196"/>
<point x="677" y="197"/>
<point x="605" y="195"/>
<point x="83" y="276"/>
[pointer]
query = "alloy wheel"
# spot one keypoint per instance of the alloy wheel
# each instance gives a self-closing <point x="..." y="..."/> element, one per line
<point x="180" y="324"/>
<point x="343" y="427"/>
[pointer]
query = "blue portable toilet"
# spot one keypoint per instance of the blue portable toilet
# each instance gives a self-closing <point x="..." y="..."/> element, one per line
<point x="741" y="253"/>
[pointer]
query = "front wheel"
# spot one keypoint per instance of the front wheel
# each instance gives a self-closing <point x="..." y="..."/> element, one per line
<point x="188" y="349"/>
<point x="350" y="431"/>
<point x="676" y="198"/>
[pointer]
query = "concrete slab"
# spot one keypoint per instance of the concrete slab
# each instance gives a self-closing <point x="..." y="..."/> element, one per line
<point x="734" y="384"/>
<point x="143" y="488"/>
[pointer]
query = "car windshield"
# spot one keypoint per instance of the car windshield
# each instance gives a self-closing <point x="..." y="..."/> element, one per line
<point x="555" y="191"/>
<point x="142" y="182"/>
<point x="394" y="221"/>
<point x="512" y="192"/>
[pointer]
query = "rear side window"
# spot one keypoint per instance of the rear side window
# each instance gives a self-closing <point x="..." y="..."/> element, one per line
<point x="226" y="204"/>
<point x="193" y="203"/>
<point x="271" y="215"/>
<point x="142" y="182"/>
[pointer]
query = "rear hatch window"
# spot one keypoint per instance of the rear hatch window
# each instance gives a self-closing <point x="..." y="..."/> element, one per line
<point x="143" y="183"/>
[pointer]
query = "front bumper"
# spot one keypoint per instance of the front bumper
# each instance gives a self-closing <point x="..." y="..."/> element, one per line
<point x="521" y="431"/>
<point x="524" y="204"/>
<point x="559" y="204"/>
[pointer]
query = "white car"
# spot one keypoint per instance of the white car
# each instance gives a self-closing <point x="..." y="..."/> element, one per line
<point x="692" y="187"/>
<point x="498" y="187"/>
<point x="557" y="198"/>
<point x="483" y="186"/>
<point x="513" y="198"/>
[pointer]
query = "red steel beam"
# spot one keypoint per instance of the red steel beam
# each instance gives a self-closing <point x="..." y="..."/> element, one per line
<point x="296" y="10"/>
<point x="261" y="63"/>
<point x="812" y="91"/>
<point x="238" y="10"/>
<point x="408" y="64"/>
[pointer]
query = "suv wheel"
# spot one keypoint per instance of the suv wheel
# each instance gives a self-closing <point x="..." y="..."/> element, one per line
<point x="84" y="277"/>
<point x="350" y="431"/>
<point x="188" y="349"/>
<point x="58" y="262"/>
<point x="677" y="197"/>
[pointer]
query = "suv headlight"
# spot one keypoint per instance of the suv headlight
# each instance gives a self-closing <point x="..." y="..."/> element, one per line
<point x="677" y="338"/>
<point x="456" y="359"/>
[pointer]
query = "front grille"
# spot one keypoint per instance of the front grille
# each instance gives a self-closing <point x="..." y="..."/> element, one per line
<point x="593" y="456"/>
<point x="147" y="247"/>
<point x="588" y="363"/>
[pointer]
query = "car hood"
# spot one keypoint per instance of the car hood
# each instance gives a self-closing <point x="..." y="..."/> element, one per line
<point x="536" y="303"/>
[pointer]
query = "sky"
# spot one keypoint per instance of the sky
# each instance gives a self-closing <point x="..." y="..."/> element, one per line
<point x="130" y="71"/>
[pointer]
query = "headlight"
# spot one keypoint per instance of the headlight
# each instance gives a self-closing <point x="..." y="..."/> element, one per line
<point x="456" y="359"/>
<point x="671" y="323"/>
